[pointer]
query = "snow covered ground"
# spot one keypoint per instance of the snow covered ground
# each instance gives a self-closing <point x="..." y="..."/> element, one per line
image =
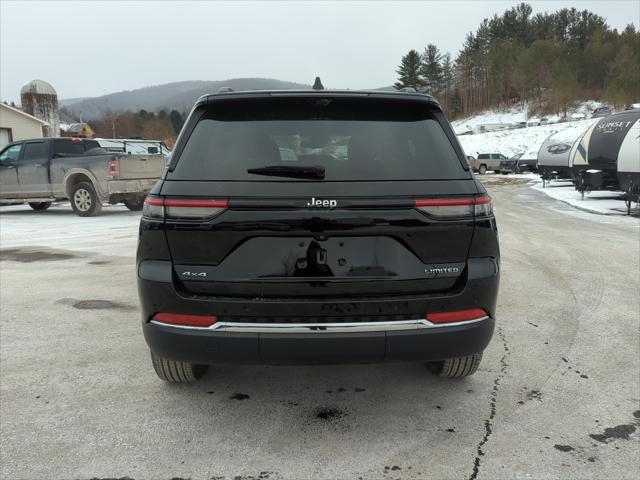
<point x="518" y="114"/>
<point x="604" y="202"/>
<point x="113" y="232"/>
<point x="510" y="142"/>
<point x="528" y="139"/>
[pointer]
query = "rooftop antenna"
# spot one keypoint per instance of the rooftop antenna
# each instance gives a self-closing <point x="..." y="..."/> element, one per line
<point x="317" y="85"/>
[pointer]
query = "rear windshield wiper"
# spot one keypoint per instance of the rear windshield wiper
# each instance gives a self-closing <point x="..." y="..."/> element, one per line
<point x="292" y="171"/>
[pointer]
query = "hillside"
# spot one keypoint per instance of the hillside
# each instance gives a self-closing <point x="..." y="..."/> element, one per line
<point x="510" y="142"/>
<point x="170" y="96"/>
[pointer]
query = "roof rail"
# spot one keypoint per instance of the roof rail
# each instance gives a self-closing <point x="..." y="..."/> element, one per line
<point x="225" y="90"/>
<point x="408" y="89"/>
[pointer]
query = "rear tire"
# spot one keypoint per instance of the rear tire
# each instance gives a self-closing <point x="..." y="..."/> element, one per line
<point x="134" y="203"/>
<point x="84" y="200"/>
<point x="39" y="206"/>
<point x="177" y="372"/>
<point x="482" y="170"/>
<point x="496" y="171"/>
<point x="456" y="367"/>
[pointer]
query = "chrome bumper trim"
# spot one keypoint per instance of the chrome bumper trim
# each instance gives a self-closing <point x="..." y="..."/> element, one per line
<point x="415" y="324"/>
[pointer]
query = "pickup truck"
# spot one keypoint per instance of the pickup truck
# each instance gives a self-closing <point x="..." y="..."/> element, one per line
<point x="487" y="161"/>
<point x="41" y="171"/>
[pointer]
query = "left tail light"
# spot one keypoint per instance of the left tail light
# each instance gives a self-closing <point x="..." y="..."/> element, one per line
<point x="455" y="207"/>
<point x="185" y="209"/>
<point x="113" y="168"/>
<point x="185" y="320"/>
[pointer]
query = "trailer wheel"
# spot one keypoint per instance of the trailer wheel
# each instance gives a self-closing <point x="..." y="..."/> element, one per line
<point x="84" y="200"/>
<point x="456" y="367"/>
<point x="177" y="372"/>
<point x="134" y="203"/>
<point x="482" y="170"/>
<point x="39" y="206"/>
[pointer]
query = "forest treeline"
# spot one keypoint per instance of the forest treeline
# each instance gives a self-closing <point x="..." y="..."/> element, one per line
<point x="162" y="125"/>
<point x="547" y="60"/>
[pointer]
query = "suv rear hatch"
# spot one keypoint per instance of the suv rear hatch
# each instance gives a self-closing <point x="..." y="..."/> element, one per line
<point x="304" y="196"/>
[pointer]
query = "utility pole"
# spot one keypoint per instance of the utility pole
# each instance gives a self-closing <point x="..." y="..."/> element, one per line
<point x="113" y="128"/>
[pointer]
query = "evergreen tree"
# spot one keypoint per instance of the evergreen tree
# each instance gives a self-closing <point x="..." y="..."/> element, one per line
<point x="623" y="82"/>
<point x="176" y="121"/>
<point x="431" y="69"/>
<point x="409" y="72"/>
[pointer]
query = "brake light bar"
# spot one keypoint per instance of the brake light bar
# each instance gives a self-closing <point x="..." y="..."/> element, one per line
<point x="457" y="316"/>
<point x="183" y="208"/>
<point x="455" y="207"/>
<point x="185" y="320"/>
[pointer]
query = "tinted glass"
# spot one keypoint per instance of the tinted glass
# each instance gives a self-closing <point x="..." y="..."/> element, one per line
<point x="36" y="150"/>
<point x="70" y="147"/>
<point x="354" y="144"/>
<point x="483" y="156"/>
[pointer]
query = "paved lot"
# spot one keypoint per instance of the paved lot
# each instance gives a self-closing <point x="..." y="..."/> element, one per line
<point x="557" y="395"/>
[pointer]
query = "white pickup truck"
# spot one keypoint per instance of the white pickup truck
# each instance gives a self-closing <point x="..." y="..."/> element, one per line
<point x="44" y="170"/>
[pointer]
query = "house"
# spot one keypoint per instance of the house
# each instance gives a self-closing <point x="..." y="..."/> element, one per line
<point x="79" y="130"/>
<point x="17" y="125"/>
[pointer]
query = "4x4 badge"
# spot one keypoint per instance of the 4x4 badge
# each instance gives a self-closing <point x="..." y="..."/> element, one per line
<point x="194" y="274"/>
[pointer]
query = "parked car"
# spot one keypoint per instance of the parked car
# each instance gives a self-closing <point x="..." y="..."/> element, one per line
<point x="44" y="170"/>
<point x="601" y="112"/>
<point x="509" y="165"/>
<point x="527" y="162"/>
<point x="388" y="254"/>
<point x="487" y="161"/>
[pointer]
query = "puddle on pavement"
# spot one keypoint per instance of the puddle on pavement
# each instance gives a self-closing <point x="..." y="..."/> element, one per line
<point x="94" y="304"/>
<point x="328" y="414"/>
<point x="26" y="255"/>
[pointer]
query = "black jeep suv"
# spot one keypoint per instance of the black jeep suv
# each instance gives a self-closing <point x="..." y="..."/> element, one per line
<point x="317" y="227"/>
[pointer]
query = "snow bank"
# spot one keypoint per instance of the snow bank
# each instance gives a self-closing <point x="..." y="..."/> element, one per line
<point x="604" y="202"/>
<point x="514" y="115"/>
<point x="529" y="139"/>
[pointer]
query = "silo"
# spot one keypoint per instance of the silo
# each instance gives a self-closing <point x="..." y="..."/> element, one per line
<point x="40" y="99"/>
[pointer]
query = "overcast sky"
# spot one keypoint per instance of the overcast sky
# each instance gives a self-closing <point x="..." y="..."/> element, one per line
<point x="92" y="48"/>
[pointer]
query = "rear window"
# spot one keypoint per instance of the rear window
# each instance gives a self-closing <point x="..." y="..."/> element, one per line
<point x="483" y="156"/>
<point x="351" y="140"/>
<point x="71" y="147"/>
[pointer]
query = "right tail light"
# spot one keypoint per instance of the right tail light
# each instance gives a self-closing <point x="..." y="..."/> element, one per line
<point x="455" y="207"/>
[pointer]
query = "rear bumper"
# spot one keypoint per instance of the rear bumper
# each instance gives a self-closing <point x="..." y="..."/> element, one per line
<point x="197" y="346"/>
<point x="295" y="346"/>
<point x="530" y="165"/>
<point x="140" y="186"/>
